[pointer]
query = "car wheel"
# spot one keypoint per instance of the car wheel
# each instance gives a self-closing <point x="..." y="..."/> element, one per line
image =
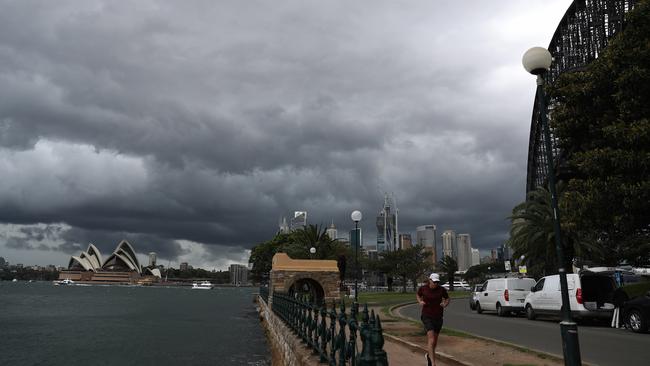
<point x="637" y="322"/>
<point x="530" y="313"/>
<point x="500" y="311"/>
<point x="478" y="308"/>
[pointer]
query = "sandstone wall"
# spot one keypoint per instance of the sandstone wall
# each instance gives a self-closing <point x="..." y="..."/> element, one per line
<point x="281" y="281"/>
<point x="286" y="348"/>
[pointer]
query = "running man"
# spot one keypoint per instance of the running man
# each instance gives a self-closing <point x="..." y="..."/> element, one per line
<point x="433" y="298"/>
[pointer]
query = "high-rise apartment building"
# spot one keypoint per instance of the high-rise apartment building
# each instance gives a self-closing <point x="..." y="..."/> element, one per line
<point x="464" y="251"/>
<point x="425" y="235"/>
<point x="238" y="274"/>
<point x="387" y="228"/>
<point x="448" y="244"/>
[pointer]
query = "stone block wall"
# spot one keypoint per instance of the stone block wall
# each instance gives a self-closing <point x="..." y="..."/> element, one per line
<point x="286" y="348"/>
<point x="282" y="280"/>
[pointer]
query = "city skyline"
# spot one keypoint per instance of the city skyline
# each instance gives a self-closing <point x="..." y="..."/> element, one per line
<point x="187" y="128"/>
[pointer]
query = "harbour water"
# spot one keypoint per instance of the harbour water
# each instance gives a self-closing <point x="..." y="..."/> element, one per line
<point x="42" y="324"/>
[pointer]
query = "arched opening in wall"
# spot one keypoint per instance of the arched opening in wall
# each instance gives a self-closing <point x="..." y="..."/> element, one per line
<point x="309" y="287"/>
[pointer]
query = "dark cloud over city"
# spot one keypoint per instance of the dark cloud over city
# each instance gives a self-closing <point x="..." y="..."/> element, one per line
<point x="190" y="128"/>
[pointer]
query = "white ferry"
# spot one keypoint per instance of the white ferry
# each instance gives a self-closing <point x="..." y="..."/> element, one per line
<point x="205" y="285"/>
<point x="65" y="282"/>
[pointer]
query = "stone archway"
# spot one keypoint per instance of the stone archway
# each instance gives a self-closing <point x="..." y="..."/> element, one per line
<point x="308" y="287"/>
<point x="318" y="278"/>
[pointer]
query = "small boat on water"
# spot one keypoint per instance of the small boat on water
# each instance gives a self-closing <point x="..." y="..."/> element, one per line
<point x="65" y="282"/>
<point x="204" y="285"/>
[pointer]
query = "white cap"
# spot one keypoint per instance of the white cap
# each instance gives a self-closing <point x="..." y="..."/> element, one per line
<point x="434" y="277"/>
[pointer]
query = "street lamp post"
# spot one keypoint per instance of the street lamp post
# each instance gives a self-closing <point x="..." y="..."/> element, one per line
<point x="537" y="61"/>
<point x="312" y="251"/>
<point x="356" y="216"/>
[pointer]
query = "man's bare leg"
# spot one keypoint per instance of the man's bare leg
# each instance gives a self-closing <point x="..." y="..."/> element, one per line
<point x="432" y="341"/>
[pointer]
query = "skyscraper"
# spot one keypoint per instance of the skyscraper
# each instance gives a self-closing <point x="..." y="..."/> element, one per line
<point x="449" y="244"/>
<point x="476" y="257"/>
<point x="332" y="232"/>
<point x="425" y="235"/>
<point x="464" y="251"/>
<point x="238" y="274"/>
<point x="152" y="259"/>
<point x="299" y="220"/>
<point x="387" y="226"/>
<point x="405" y="241"/>
<point x="283" y="227"/>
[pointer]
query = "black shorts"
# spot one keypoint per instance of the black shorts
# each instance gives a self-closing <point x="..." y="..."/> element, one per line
<point x="434" y="324"/>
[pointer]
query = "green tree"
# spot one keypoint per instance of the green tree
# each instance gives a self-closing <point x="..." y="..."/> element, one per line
<point x="418" y="263"/>
<point x="314" y="236"/>
<point x="478" y="273"/>
<point x="532" y="234"/>
<point x="262" y="255"/>
<point x="449" y="267"/>
<point x="601" y="118"/>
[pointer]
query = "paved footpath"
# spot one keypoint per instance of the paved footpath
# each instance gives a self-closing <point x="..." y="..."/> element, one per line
<point x="402" y="355"/>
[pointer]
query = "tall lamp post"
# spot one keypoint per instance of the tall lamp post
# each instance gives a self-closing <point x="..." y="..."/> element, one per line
<point x="356" y="216"/>
<point x="537" y="61"/>
<point x="312" y="251"/>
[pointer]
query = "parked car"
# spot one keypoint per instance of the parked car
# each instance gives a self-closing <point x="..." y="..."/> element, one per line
<point x="636" y="313"/>
<point x="504" y="295"/>
<point x="591" y="295"/>
<point x="476" y="289"/>
<point x="458" y="286"/>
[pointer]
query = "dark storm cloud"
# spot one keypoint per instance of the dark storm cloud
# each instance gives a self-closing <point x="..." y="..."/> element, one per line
<point x="23" y="244"/>
<point x="106" y="241"/>
<point x="161" y="122"/>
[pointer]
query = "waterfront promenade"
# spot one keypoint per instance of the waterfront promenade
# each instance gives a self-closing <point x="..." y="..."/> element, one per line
<point x="405" y="344"/>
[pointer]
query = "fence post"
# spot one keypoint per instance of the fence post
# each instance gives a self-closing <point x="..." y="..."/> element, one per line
<point x="367" y="353"/>
<point x="351" y="349"/>
<point x="332" y="335"/>
<point x="340" y="338"/>
<point x="378" y="343"/>
<point x="323" y="333"/>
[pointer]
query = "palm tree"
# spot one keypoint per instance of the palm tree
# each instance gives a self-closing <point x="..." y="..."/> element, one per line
<point x="449" y="266"/>
<point x="315" y="236"/>
<point x="532" y="235"/>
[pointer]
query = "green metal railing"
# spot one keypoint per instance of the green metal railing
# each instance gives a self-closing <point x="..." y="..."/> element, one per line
<point x="264" y="293"/>
<point x="331" y="335"/>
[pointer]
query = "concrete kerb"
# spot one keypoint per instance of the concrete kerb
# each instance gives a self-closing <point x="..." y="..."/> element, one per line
<point x="488" y="339"/>
<point x="414" y="347"/>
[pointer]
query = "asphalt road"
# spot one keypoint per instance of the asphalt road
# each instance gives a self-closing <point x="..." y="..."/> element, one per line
<point x="599" y="344"/>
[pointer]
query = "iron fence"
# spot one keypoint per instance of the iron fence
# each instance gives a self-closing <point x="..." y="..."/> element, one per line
<point x="333" y="336"/>
<point x="264" y="293"/>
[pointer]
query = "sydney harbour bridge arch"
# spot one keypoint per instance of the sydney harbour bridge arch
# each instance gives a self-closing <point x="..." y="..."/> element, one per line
<point x="580" y="37"/>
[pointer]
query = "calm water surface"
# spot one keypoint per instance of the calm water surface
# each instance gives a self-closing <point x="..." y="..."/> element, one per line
<point x="42" y="324"/>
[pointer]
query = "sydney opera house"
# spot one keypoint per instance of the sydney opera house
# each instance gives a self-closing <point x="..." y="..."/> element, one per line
<point x="121" y="267"/>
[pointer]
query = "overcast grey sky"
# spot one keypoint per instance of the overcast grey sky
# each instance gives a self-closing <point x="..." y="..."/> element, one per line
<point x="190" y="127"/>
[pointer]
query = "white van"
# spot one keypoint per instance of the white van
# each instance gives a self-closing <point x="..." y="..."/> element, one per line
<point x="591" y="295"/>
<point x="504" y="295"/>
<point x="458" y="286"/>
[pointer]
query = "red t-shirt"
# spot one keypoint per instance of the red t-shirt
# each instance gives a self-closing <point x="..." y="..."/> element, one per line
<point x="432" y="299"/>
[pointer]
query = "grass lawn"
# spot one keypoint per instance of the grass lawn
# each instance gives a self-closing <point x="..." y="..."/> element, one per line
<point x="394" y="298"/>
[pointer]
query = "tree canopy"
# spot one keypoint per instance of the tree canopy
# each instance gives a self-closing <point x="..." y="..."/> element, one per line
<point x="602" y="122"/>
<point x="297" y="245"/>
